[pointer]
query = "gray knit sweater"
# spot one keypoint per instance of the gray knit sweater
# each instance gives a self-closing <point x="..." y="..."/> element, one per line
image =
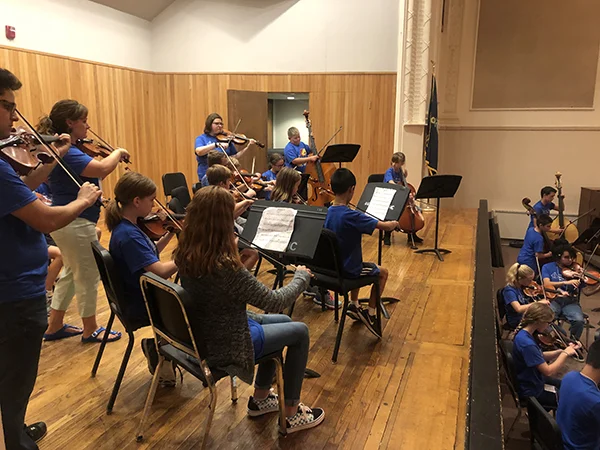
<point x="219" y="315"/>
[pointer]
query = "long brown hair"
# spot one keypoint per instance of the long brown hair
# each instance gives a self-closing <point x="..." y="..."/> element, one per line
<point x="536" y="312"/>
<point x="207" y="243"/>
<point x="209" y="120"/>
<point x="284" y="186"/>
<point x="56" y="121"/>
<point x="129" y="186"/>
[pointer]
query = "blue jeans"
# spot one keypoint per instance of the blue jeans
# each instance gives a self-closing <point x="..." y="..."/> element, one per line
<point x="572" y="312"/>
<point x="281" y="332"/>
<point x="22" y="325"/>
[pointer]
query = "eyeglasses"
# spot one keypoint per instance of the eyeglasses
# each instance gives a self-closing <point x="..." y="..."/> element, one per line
<point x="9" y="106"/>
<point x="279" y="165"/>
<point x="219" y="124"/>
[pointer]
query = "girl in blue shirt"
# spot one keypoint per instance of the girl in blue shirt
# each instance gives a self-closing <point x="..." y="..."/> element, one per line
<point x="518" y="277"/>
<point x="535" y="368"/>
<point x="276" y="163"/>
<point x="286" y="186"/>
<point x="208" y="141"/>
<point x="80" y="276"/>
<point x="134" y="253"/>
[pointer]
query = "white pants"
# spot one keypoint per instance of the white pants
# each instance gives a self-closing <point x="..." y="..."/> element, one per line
<point x="80" y="275"/>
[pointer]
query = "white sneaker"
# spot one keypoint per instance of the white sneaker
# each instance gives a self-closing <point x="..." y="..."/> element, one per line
<point x="167" y="376"/>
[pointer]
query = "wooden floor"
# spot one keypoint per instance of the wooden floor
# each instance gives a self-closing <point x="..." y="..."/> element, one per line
<point x="406" y="391"/>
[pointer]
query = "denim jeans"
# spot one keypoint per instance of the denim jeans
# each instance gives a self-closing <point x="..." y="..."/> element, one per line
<point x="281" y="332"/>
<point x="22" y="325"/>
<point x="572" y="311"/>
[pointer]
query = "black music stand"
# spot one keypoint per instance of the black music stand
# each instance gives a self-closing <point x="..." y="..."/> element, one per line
<point x="438" y="186"/>
<point x="340" y="153"/>
<point x="393" y="213"/>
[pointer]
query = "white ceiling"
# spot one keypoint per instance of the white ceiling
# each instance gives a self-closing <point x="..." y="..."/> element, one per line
<point x="145" y="9"/>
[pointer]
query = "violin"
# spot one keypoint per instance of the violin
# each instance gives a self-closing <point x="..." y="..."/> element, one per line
<point x="21" y="152"/>
<point x="554" y="338"/>
<point x="534" y="291"/>
<point x="155" y="227"/>
<point x="590" y="277"/>
<point x="236" y="138"/>
<point x="250" y="180"/>
<point x="99" y="148"/>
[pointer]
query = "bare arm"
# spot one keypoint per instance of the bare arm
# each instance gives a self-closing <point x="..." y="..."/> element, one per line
<point x="201" y="151"/>
<point x="552" y="368"/>
<point x="306" y="159"/>
<point x="240" y="207"/>
<point x="163" y="242"/>
<point x="100" y="169"/>
<point x="162" y="269"/>
<point x="46" y="219"/>
<point x="389" y="225"/>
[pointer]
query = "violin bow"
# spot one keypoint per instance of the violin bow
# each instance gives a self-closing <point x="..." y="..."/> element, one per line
<point x="110" y="147"/>
<point x="330" y="139"/>
<point x="169" y="215"/>
<point x="230" y="160"/>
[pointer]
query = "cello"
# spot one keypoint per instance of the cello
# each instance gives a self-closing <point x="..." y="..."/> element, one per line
<point x="319" y="182"/>
<point x="412" y="219"/>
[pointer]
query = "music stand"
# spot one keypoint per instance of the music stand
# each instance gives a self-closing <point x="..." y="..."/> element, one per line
<point x="393" y="213"/>
<point x="438" y="186"/>
<point x="340" y="153"/>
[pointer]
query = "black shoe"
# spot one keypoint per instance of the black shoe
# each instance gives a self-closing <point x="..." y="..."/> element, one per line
<point x="417" y="239"/>
<point x="36" y="431"/>
<point x="370" y="322"/>
<point x="387" y="238"/>
<point x="352" y="312"/>
<point x="149" y="350"/>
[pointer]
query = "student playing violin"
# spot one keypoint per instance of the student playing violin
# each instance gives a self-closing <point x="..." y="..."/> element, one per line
<point x="276" y="163"/>
<point x="286" y="186"/>
<point x="214" y="157"/>
<point x="208" y="141"/>
<point x="518" y="278"/>
<point x="220" y="288"/>
<point x="134" y="253"/>
<point x="81" y="275"/>
<point x="566" y="303"/>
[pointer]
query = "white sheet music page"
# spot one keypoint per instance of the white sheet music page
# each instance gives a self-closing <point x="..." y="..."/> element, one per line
<point x="380" y="202"/>
<point x="275" y="229"/>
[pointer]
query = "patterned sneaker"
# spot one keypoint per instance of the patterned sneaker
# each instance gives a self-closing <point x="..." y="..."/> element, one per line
<point x="167" y="377"/>
<point x="149" y="350"/>
<point x="304" y="419"/>
<point x="259" y="407"/>
<point x="352" y="312"/>
<point x="369" y="321"/>
<point x="329" y="302"/>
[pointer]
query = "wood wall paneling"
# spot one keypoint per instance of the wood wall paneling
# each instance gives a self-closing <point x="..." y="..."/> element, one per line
<point x="157" y="116"/>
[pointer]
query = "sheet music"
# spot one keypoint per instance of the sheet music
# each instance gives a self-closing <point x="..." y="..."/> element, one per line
<point x="275" y="228"/>
<point x="380" y="202"/>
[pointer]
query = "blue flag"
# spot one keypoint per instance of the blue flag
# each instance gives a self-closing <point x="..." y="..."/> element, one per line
<point x="431" y="132"/>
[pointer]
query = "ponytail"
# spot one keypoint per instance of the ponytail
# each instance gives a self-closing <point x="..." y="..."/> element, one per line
<point x="113" y="215"/>
<point x="44" y="126"/>
<point x="130" y="186"/>
<point x="536" y="312"/>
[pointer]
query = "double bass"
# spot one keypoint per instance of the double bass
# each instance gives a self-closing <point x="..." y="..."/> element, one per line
<point x="412" y="219"/>
<point x="319" y="182"/>
<point x="570" y="232"/>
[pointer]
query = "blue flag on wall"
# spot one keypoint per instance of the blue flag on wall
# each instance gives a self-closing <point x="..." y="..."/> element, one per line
<point x="431" y="132"/>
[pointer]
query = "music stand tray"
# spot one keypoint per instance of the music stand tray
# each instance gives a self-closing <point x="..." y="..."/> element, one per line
<point x="438" y="186"/>
<point x="340" y="153"/>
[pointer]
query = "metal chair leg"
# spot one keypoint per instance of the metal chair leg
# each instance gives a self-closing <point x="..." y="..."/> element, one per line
<point x="103" y="344"/>
<point x="117" y="386"/>
<point x="211" y="406"/>
<point x="338" y="339"/>
<point x="519" y="413"/>
<point x="336" y="314"/>
<point x="281" y="394"/>
<point x="149" y="399"/>
<point x="379" y="306"/>
<point x="234" y="392"/>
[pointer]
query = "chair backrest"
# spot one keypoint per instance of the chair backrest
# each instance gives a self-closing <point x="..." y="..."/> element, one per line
<point x="167" y="304"/>
<point x="172" y="180"/>
<point x="196" y="187"/>
<point x="508" y="363"/>
<point x="327" y="259"/>
<point x="500" y="303"/>
<point x="375" y="178"/>
<point x="182" y="194"/>
<point x="112" y="282"/>
<point x="175" y="205"/>
<point x="544" y="429"/>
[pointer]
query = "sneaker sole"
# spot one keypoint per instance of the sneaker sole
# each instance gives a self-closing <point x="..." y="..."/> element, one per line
<point x="368" y="325"/>
<point x="353" y="316"/>
<point x="327" y="305"/>
<point x="253" y="413"/>
<point x="306" y="426"/>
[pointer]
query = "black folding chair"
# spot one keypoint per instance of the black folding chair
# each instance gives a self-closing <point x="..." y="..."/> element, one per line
<point x="196" y="187"/>
<point x="501" y="307"/>
<point x="115" y="294"/>
<point x="182" y="194"/>
<point x="173" y="180"/>
<point x="175" y="340"/>
<point x="510" y="372"/>
<point x="327" y="266"/>
<point x="544" y="429"/>
<point x="376" y="178"/>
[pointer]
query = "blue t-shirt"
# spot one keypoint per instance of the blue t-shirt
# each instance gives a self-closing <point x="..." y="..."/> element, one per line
<point x="201" y="141"/>
<point x="392" y="175"/>
<point x="513" y="294"/>
<point x="44" y="189"/>
<point x="269" y="175"/>
<point x="204" y="181"/>
<point x="540" y="209"/>
<point x="258" y="337"/>
<point x="554" y="273"/>
<point x="527" y="355"/>
<point x="24" y="264"/>
<point x="534" y="243"/>
<point x="349" y="225"/>
<point x="132" y="250"/>
<point x="64" y="190"/>
<point x="578" y="413"/>
<point x="292" y="152"/>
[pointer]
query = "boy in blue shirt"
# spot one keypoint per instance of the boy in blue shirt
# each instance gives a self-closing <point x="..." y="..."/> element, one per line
<point x="533" y="246"/>
<point x="208" y="141"/>
<point x="349" y="225"/>
<point x="567" y="302"/>
<point x="397" y="174"/>
<point x="214" y="157"/>
<point x="544" y="206"/>
<point x="23" y="320"/>
<point x="578" y="414"/>
<point x="297" y="152"/>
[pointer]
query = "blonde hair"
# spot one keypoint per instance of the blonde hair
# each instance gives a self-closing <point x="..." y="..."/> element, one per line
<point x="207" y="243"/>
<point x="518" y="272"/>
<point x="218" y="174"/>
<point x="130" y="186"/>
<point x="536" y="312"/>
<point x="293" y="131"/>
<point x="284" y="186"/>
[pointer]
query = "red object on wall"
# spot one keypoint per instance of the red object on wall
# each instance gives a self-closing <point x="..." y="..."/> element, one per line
<point x="10" y="32"/>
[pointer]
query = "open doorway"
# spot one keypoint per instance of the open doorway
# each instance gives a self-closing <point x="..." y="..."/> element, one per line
<point x="285" y="111"/>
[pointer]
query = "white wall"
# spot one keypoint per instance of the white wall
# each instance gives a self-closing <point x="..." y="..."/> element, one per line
<point x="276" y="36"/>
<point x="286" y="114"/>
<point x="79" y="29"/>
